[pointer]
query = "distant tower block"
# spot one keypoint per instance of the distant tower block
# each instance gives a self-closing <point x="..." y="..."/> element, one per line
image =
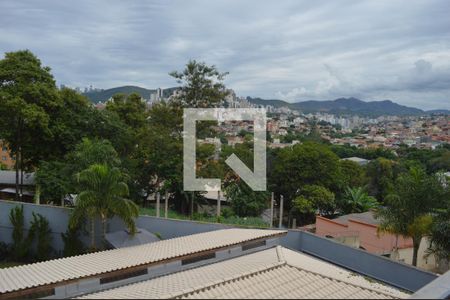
<point x="159" y="94"/>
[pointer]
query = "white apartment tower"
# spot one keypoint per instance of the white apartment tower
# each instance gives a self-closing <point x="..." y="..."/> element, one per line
<point x="159" y="94"/>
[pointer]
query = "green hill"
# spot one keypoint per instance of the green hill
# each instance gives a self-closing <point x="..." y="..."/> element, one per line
<point x="104" y="95"/>
<point x="345" y="106"/>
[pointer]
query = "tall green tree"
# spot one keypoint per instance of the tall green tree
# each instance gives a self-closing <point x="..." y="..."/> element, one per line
<point x="131" y="109"/>
<point x="157" y="157"/>
<point x="352" y="174"/>
<point x="78" y="130"/>
<point x="440" y="234"/>
<point x="313" y="199"/>
<point x="28" y="95"/>
<point x="441" y="162"/>
<point x="440" y="229"/>
<point x="201" y="85"/>
<point x="305" y="164"/>
<point x="159" y="152"/>
<point x="69" y="123"/>
<point x="408" y="211"/>
<point x="381" y="174"/>
<point x="56" y="178"/>
<point x="110" y="127"/>
<point x="103" y="194"/>
<point x="132" y="112"/>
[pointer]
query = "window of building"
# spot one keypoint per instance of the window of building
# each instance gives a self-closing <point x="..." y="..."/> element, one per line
<point x="3" y="158"/>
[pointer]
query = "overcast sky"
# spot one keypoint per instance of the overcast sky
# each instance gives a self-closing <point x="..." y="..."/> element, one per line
<point x="291" y="50"/>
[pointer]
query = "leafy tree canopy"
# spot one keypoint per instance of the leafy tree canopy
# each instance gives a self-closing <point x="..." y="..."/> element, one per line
<point x="313" y="199"/>
<point x="301" y="165"/>
<point x="201" y="85"/>
<point x="244" y="201"/>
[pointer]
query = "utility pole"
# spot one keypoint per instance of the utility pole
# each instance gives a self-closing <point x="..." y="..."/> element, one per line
<point x="157" y="204"/>
<point x="166" y="204"/>
<point x="192" y="205"/>
<point x="272" y="199"/>
<point x="280" y="225"/>
<point x="218" y="204"/>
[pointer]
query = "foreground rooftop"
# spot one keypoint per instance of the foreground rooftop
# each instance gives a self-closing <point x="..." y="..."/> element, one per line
<point x="273" y="273"/>
<point x="229" y="263"/>
<point x="73" y="275"/>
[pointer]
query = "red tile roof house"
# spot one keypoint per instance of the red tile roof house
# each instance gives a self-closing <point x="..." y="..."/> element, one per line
<point x="361" y="231"/>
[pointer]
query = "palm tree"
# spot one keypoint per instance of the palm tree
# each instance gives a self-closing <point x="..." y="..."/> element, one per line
<point x="440" y="234"/>
<point x="356" y="200"/>
<point x="409" y="211"/>
<point x="103" y="195"/>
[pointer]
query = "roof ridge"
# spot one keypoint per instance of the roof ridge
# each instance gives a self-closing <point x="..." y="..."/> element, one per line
<point x="259" y="270"/>
<point x="343" y="281"/>
<point x="280" y="254"/>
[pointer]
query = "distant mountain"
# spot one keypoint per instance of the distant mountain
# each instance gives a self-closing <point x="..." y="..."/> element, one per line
<point x="274" y="103"/>
<point x="345" y="106"/>
<point x="104" y="95"/>
<point x="438" y="112"/>
<point x="339" y="106"/>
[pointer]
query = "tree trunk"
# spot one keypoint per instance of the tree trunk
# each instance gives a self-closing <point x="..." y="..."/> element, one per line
<point x="18" y="157"/>
<point x="92" y="234"/>
<point x="104" y="225"/>
<point x="416" y="245"/>
<point x="17" y="175"/>
<point x="158" y="204"/>
<point x="166" y="204"/>
<point x="192" y="205"/>
<point x="21" y="175"/>
<point x="218" y="206"/>
<point x="185" y="204"/>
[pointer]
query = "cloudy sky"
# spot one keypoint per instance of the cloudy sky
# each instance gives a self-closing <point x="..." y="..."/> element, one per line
<point x="291" y="50"/>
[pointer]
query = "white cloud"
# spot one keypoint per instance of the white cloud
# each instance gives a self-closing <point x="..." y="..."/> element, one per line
<point x="292" y="49"/>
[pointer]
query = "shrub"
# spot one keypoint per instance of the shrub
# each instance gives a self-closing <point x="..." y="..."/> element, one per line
<point x="72" y="243"/>
<point x="40" y="229"/>
<point x="227" y="212"/>
<point x="245" y="202"/>
<point x="20" y="246"/>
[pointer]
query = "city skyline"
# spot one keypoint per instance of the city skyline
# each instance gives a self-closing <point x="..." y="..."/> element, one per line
<point x="292" y="51"/>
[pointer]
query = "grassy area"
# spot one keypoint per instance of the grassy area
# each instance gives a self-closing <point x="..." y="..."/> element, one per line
<point x="4" y="265"/>
<point x="171" y="213"/>
<point x="233" y="220"/>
